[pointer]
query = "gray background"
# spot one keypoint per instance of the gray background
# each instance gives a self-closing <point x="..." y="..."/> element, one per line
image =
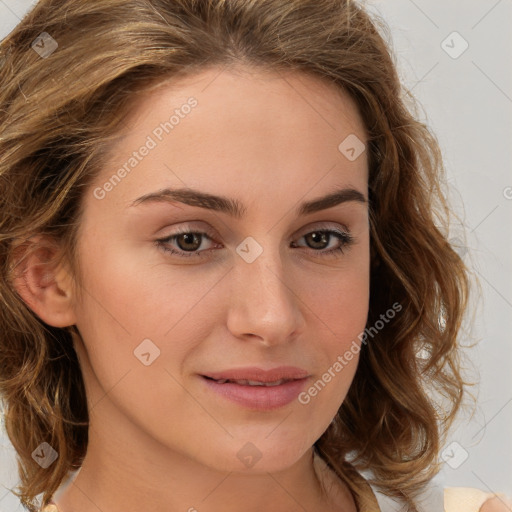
<point x="467" y="101"/>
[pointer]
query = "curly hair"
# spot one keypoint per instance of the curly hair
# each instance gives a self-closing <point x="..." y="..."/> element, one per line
<point x="60" y="116"/>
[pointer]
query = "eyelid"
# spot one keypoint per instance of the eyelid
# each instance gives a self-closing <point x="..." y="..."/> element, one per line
<point x="318" y="226"/>
<point x="205" y="228"/>
<point x="192" y="226"/>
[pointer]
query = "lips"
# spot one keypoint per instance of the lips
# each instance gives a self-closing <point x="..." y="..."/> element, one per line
<point x="254" y="394"/>
<point x="253" y="376"/>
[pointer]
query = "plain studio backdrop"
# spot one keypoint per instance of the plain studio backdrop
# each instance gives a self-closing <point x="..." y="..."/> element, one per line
<point x="455" y="58"/>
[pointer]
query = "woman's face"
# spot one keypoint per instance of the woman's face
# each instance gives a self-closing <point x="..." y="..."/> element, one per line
<point x="267" y="287"/>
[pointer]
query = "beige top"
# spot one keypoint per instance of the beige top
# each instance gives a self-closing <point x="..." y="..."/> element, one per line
<point x="468" y="499"/>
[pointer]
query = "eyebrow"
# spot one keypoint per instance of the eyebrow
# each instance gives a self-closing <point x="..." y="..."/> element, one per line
<point x="236" y="209"/>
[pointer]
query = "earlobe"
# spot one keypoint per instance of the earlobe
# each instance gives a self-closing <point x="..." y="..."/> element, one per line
<point x="42" y="283"/>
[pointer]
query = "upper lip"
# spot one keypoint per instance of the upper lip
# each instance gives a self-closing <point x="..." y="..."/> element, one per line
<point x="260" y="375"/>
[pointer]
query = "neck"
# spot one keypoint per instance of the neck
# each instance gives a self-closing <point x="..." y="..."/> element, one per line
<point x="118" y="478"/>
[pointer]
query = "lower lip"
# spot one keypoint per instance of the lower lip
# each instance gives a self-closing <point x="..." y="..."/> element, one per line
<point x="262" y="398"/>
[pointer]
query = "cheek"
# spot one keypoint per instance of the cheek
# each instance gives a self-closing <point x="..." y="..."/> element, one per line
<point x="337" y="314"/>
<point x="338" y="304"/>
<point x="131" y="297"/>
<point x="127" y="302"/>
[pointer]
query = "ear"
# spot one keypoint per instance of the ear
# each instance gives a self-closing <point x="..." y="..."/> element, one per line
<point x="43" y="284"/>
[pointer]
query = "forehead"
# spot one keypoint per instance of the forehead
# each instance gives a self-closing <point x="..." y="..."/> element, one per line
<point x="255" y="86"/>
<point x="238" y="131"/>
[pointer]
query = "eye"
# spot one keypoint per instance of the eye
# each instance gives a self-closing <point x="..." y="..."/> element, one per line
<point x="319" y="238"/>
<point x="189" y="242"/>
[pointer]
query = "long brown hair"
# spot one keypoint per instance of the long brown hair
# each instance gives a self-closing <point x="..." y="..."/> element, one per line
<point x="60" y="113"/>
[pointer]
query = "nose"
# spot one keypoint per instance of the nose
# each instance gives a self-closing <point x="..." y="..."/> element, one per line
<point x="264" y="304"/>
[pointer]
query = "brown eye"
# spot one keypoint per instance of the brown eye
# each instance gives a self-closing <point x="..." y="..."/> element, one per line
<point x="189" y="241"/>
<point x="186" y="243"/>
<point x="318" y="240"/>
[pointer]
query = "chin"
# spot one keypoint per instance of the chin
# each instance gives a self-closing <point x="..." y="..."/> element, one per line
<point x="259" y="456"/>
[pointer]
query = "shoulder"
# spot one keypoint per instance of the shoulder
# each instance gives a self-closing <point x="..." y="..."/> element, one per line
<point x="470" y="499"/>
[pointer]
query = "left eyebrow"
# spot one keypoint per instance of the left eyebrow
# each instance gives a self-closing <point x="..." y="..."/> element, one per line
<point x="236" y="209"/>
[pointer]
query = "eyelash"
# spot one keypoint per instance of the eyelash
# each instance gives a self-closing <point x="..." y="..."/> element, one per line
<point x="346" y="238"/>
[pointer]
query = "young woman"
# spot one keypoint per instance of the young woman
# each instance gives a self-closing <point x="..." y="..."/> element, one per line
<point x="221" y="258"/>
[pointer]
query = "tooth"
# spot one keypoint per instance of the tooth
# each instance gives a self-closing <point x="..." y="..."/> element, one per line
<point x="277" y="383"/>
<point x="245" y="382"/>
<point x="254" y="383"/>
<point x="257" y="383"/>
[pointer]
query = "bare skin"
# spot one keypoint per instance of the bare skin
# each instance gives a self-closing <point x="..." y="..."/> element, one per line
<point x="497" y="505"/>
<point x="159" y="437"/>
